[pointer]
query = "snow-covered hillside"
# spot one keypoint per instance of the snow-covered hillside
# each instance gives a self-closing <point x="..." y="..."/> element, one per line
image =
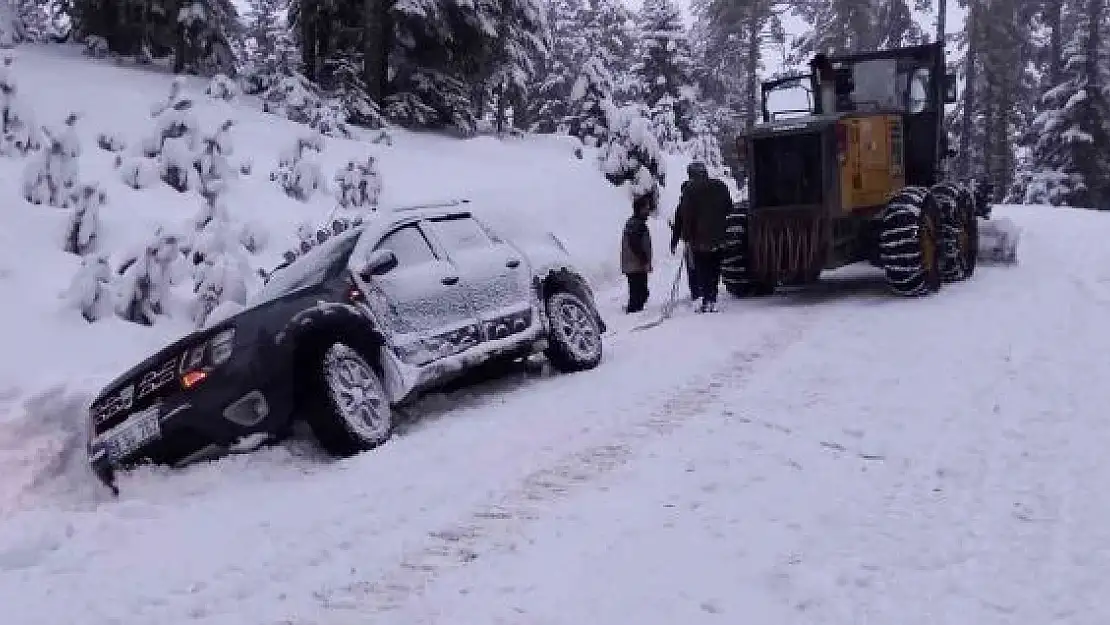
<point x="524" y="185"/>
<point x="835" y="455"/>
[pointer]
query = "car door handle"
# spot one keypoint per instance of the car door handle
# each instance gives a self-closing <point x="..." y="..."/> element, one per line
<point x="449" y="280"/>
<point x="512" y="263"/>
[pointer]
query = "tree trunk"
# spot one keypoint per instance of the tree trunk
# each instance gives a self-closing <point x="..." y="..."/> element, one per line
<point x="751" y="69"/>
<point x="1056" y="43"/>
<point x="1095" y="177"/>
<point x="375" y="60"/>
<point x="308" y="19"/>
<point x="970" y="76"/>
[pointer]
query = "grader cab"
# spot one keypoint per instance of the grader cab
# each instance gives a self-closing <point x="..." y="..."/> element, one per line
<point x="854" y="173"/>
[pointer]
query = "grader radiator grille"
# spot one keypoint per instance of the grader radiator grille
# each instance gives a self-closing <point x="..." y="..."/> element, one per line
<point x="787" y="248"/>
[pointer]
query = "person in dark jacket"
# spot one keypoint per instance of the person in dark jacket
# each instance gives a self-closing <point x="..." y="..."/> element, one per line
<point x="636" y="253"/>
<point x="691" y="271"/>
<point x="702" y="209"/>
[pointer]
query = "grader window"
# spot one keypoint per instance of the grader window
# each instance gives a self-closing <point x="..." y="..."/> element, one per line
<point x="787" y="171"/>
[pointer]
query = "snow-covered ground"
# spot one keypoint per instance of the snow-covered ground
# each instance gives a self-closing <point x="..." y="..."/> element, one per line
<point x="830" y="456"/>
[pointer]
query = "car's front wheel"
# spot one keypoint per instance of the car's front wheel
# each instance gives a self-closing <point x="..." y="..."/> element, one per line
<point x="349" y="409"/>
<point x="574" y="337"/>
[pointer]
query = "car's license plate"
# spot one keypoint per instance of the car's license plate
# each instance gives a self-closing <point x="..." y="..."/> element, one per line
<point x="138" y="430"/>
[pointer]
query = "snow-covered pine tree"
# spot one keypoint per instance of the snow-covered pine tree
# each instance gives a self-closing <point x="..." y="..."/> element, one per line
<point x="547" y="109"/>
<point x="523" y="35"/>
<point x="1071" y="158"/>
<point x="51" y="177"/>
<point x="84" y="219"/>
<point x="838" y="26"/>
<point x="631" y="152"/>
<point x="591" y="94"/>
<point x="39" y="19"/>
<point x="89" y="291"/>
<point x="209" y="31"/>
<point x="663" y="122"/>
<point x="13" y="30"/>
<point x="999" y="91"/>
<point x="20" y="135"/>
<point x="664" y="65"/>
<point x="268" y="45"/>
<point x="581" y="30"/>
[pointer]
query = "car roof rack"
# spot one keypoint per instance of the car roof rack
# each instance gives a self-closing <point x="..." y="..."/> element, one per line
<point x="441" y="204"/>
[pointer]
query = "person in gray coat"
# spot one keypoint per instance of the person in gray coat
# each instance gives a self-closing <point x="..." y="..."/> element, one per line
<point x="636" y="253"/>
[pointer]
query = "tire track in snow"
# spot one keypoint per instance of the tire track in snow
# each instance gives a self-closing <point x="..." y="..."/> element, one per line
<point x="499" y="526"/>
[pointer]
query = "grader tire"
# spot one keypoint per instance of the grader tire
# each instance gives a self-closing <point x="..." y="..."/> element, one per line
<point x="909" y="243"/>
<point x="959" y="232"/>
<point x="735" y="260"/>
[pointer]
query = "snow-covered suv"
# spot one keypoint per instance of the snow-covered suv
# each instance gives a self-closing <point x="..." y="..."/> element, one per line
<point x="376" y="312"/>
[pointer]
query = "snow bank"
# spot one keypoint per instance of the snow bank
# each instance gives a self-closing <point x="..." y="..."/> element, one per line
<point x="525" y="186"/>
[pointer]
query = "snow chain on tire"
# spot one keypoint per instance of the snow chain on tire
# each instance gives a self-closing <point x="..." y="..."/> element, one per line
<point x="734" y="259"/>
<point x="904" y="238"/>
<point x="959" y="236"/>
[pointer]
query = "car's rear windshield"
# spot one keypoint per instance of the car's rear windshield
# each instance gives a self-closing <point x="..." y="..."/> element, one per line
<point x="323" y="261"/>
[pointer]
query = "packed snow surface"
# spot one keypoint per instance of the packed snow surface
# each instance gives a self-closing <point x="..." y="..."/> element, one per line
<point x="830" y="456"/>
<point x="835" y="455"/>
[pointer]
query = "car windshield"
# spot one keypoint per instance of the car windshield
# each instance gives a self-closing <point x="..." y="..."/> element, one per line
<point x="314" y="266"/>
<point x="789" y="99"/>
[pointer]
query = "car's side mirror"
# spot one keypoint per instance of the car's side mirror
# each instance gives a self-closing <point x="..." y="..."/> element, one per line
<point x="378" y="263"/>
<point x="950" y="94"/>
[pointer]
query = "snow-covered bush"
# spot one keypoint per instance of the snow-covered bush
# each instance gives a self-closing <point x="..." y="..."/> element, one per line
<point x="174" y="142"/>
<point x="174" y="120"/>
<point x="211" y="162"/>
<point x="96" y="47"/>
<point x="143" y="279"/>
<point x="84" y="219"/>
<point x="298" y="173"/>
<point x="222" y="88"/>
<point x="359" y="184"/>
<point x="254" y="237"/>
<point x="631" y="153"/>
<point x="20" y="135"/>
<point x="51" y="177"/>
<point x="111" y="142"/>
<point x="295" y="98"/>
<point x="89" y="291"/>
<point x="221" y="269"/>
<point x="139" y="172"/>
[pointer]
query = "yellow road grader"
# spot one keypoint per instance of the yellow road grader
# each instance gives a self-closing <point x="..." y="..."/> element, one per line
<point x="856" y="176"/>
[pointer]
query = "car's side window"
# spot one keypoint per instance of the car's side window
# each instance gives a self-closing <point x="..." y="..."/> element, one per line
<point x="409" y="246"/>
<point x="461" y="233"/>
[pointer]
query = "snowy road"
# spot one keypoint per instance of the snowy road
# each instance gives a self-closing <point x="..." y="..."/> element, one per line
<point x="837" y="456"/>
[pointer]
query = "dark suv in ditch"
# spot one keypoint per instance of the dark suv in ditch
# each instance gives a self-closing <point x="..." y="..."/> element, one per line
<point x="374" y="313"/>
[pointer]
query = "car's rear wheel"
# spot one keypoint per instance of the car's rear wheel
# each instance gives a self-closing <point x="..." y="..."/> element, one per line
<point x="349" y="408"/>
<point x="574" y="337"/>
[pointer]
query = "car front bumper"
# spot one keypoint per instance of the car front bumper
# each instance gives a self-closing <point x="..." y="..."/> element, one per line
<point x="234" y="404"/>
